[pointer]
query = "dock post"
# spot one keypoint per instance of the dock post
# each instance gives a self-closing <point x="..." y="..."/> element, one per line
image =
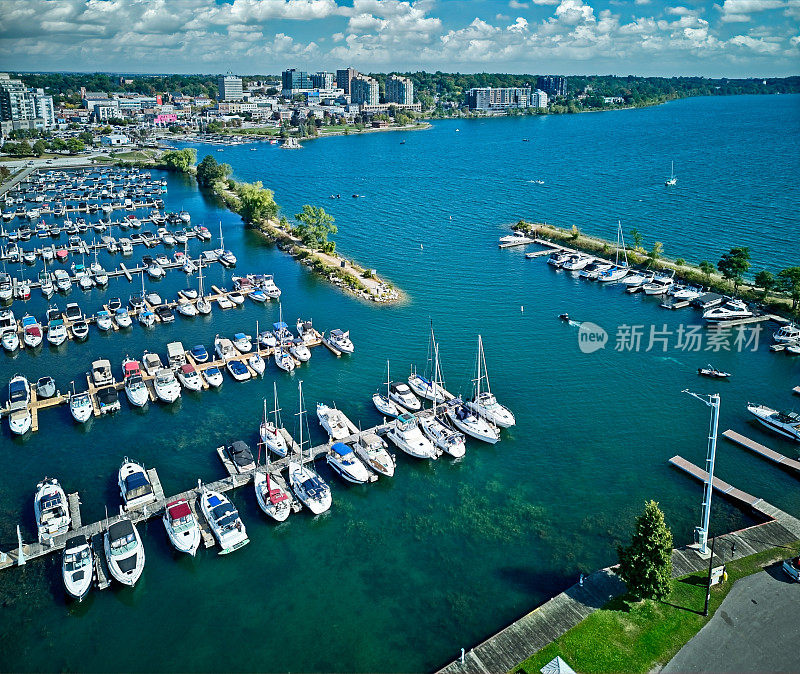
<point x="21" y="554"/>
<point x="462" y="656"/>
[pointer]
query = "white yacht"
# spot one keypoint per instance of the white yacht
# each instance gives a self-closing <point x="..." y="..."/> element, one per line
<point x="406" y="434"/>
<point x="152" y="363"/>
<point x="77" y="567"/>
<point x="672" y="180"/>
<point x="32" y="334"/>
<point x="516" y="237"/>
<point x="309" y="487"/>
<point x="269" y="431"/>
<point x="465" y="420"/>
<point x="134" y="485"/>
<point x="340" y="341"/>
<point x="558" y="258"/>
<point x="284" y="360"/>
<point x="104" y="321"/>
<point x="124" y="552"/>
<point x="56" y="331"/>
<point x="372" y="451"/>
<point x="147" y="319"/>
<point x="342" y="459"/>
<point x="123" y="318"/>
<point x="425" y="388"/>
<point x="686" y="292"/>
<point x="787" y="334"/>
<point x="659" y="285"/>
<point x="135" y="388"/>
<point x="272" y="496"/>
<point x="257" y="364"/>
<point x="51" y="510"/>
<point x="242" y="342"/>
<point x="729" y="311"/>
<point x="401" y="394"/>
<point x="189" y="377"/>
<point x="10" y="340"/>
<point x="786" y="424"/>
<point x="383" y="403"/>
<point x="483" y="403"/>
<point x="577" y="262"/>
<point x="299" y="350"/>
<point x="186" y="308"/>
<point x="213" y="376"/>
<point x="449" y="440"/>
<point x="618" y="271"/>
<point x="334" y="422"/>
<point x="238" y="370"/>
<point x="182" y="527"/>
<point x="224" y="520"/>
<point x="224" y="348"/>
<point x="167" y="387"/>
<point x="19" y="397"/>
<point x="80" y="406"/>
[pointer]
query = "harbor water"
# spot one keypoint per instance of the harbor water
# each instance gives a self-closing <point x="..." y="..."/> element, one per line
<point x="401" y="574"/>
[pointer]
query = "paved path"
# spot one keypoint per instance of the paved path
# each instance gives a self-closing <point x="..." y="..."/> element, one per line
<point x="754" y="630"/>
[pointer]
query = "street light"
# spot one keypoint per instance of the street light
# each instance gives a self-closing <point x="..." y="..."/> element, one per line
<point x="712" y="401"/>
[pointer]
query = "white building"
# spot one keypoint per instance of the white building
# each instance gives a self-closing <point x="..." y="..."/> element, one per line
<point x="230" y="88"/>
<point x="364" y="90"/>
<point x="539" y="99"/>
<point x="399" y="90"/>
<point x="114" y="139"/>
<point x="23" y="107"/>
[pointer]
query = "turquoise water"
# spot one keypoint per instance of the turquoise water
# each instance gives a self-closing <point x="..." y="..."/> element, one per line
<point x="400" y="574"/>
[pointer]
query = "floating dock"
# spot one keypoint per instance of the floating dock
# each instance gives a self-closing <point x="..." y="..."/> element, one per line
<point x="743" y="498"/>
<point x="761" y="450"/>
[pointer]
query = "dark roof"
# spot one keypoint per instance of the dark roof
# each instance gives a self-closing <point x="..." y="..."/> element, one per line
<point x="75" y="542"/>
<point x="120" y="529"/>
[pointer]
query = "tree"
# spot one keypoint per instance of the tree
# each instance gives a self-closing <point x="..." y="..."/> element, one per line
<point x="75" y="145"/>
<point x="210" y="171"/>
<point x="655" y="253"/>
<point x="313" y="227"/>
<point x="257" y="203"/>
<point x="180" y="160"/>
<point x="58" y="144"/>
<point x="765" y="280"/>
<point x="706" y="269"/>
<point x="24" y="149"/>
<point x="86" y="137"/>
<point x="39" y="147"/>
<point x="646" y="564"/>
<point x="789" y="282"/>
<point x="637" y="237"/>
<point x="734" y="264"/>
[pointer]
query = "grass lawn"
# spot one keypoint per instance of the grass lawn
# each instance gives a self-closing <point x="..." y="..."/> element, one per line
<point x="635" y="636"/>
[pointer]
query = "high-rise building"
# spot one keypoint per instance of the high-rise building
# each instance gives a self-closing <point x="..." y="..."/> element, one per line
<point x="553" y="85"/>
<point x="344" y="78"/>
<point x="294" y="80"/>
<point x="399" y="90"/>
<point x="539" y="99"/>
<point x="364" y="90"/>
<point x="230" y="88"/>
<point x="498" y="98"/>
<point x="322" y="80"/>
<point x="27" y="108"/>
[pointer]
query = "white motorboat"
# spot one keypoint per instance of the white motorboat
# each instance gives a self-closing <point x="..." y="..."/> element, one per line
<point x="786" y="424"/>
<point x="334" y="421"/>
<point x="307" y="332"/>
<point x="224" y="303"/>
<point x="672" y="180"/>
<point x="787" y="334"/>
<point x="406" y="434"/>
<point x="401" y="394"/>
<point x="51" y="510"/>
<point x="342" y="459"/>
<point x="238" y="370"/>
<point x="425" y="388"/>
<point x="576" y="262"/>
<point x="135" y="388"/>
<point x="147" y="319"/>
<point x="483" y="403"/>
<point x="32" y="333"/>
<point x="189" y="377"/>
<point x="558" y="258"/>
<point x="236" y="297"/>
<point x="383" y="403"/>
<point x="267" y="339"/>
<point x="299" y="350"/>
<point x="10" y="340"/>
<point x="123" y="318"/>
<point x="104" y="321"/>
<point x="80" y="406"/>
<point x="124" y="552"/>
<point x="224" y="520"/>
<point x="77" y="567"/>
<point x="686" y="292"/>
<point x="284" y="360"/>
<point x="372" y="451"/>
<point x="731" y="310"/>
<point x="134" y="485"/>
<point x="658" y="286"/>
<point x="257" y="364"/>
<point x="593" y="269"/>
<point x="465" y="420"/>
<point x="19" y="398"/>
<point x="167" y="387"/>
<point x="516" y="237"/>
<point x="224" y="348"/>
<point x="242" y="342"/>
<point x="637" y="278"/>
<point x="213" y="376"/>
<point x="152" y="363"/>
<point x="272" y="496"/>
<point x="339" y="340"/>
<point x="186" y="308"/>
<point x="449" y="440"/>
<point x="270" y="431"/>
<point x="155" y="271"/>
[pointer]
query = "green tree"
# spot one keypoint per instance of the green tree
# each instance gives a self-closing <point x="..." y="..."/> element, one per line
<point x="646" y="564"/>
<point x="734" y="264"/>
<point x="209" y="171"/>
<point x="58" y="144"/>
<point x="655" y="254"/>
<point x="766" y="280"/>
<point x="24" y="149"/>
<point x="637" y="237"/>
<point x="789" y="282"/>
<point x="86" y="137"/>
<point x="39" y="147"/>
<point x="180" y="160"/>
<point x="706" y="268"/>
<point x="313" y="227"/>
<point x="257" y="203"/>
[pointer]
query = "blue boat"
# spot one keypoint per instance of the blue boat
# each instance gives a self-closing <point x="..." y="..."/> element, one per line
<point x="199" y="353"/>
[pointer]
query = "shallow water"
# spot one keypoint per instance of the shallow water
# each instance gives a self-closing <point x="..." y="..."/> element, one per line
<point x="400" y="574"/>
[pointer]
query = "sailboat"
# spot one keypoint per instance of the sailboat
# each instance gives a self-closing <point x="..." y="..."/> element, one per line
<point x="383" y="403"/>
<point x="618" y="271"/>
<point x="672" y="179"/>
<point x="483" y="401"/>
<point x="271" y="494"/>
<point x="435" y="427"/>
<point x="202" y="305"/>
<point x="225" y="257"/>
<point x="309" y="487"/>
<point x="256" y="361"/>
<point x="269" y="431"/>
<point x="424" y="387"/>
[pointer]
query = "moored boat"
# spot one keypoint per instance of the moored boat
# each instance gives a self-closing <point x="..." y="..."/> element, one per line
<point x="124" y="552"/>
<point x="181" y="526"/>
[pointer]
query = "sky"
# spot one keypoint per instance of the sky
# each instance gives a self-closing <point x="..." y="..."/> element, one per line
<point x="728" y="38"/>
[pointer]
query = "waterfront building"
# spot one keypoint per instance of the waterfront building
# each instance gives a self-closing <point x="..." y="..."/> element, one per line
<point x="23" y="108"/>
<point x="230" y="88"/>
<point x="498" y="99"/>
<point x="323" y="80"/>
<point x="399" y="90"/>
<point x="553" y="85"/>
<point x="294" y="81"/>
<point x="364" y="90"/>
<point x="344" y="78"/>
<point x="113" y="139"/>
<point x="539" y="99"/>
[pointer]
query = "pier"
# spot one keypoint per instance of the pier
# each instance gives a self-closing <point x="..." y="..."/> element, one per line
<point x="761" y="450"/>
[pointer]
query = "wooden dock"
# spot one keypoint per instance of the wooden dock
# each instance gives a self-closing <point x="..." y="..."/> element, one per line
<point x="760" y="449"/>
<point x="74" y="502"/>
<point x="743" y="498"/>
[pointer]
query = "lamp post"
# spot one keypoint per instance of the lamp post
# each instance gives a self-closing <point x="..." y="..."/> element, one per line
<point x="711" y="401"/>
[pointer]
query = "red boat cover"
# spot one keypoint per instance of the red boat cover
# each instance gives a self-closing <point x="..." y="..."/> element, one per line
<point x="187" y="369"/>
<point x="132" y="368"/>
<point x="178" y="509"/>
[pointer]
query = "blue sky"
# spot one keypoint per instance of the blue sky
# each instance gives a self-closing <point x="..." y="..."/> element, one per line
<point x="733" y="38"/>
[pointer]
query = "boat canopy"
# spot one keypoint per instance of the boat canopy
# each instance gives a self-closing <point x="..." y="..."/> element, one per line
<point x="74" y="543"/>
<point x="280" y="326"/>
<point x="239" y="336"/>
<point x="187" y="369"/>
<point x="336" y="332"/>
<point x="314" y="487"/>
<point x="406" y="418"/>
<point x="131" y="367"/>
<point x="178" y="509"/>
<point x="341" y="449"/>
<point x="121" y="531"/>
<point x="237" y="366"/>
<point x="137" y="485"/>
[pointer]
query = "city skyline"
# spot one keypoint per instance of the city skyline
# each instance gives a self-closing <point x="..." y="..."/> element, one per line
<point x="732" y="38"/>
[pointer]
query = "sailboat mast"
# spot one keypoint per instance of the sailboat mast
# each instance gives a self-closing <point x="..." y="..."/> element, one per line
<point x="300" y="415"/>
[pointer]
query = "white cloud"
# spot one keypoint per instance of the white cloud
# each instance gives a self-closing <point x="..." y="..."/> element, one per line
<point x="642" y="2"/>
<point x="519" y="26"/>
<point x="515" y="4"/>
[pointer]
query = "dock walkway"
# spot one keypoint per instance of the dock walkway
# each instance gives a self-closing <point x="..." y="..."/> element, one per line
<point x="760" y="449"/>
